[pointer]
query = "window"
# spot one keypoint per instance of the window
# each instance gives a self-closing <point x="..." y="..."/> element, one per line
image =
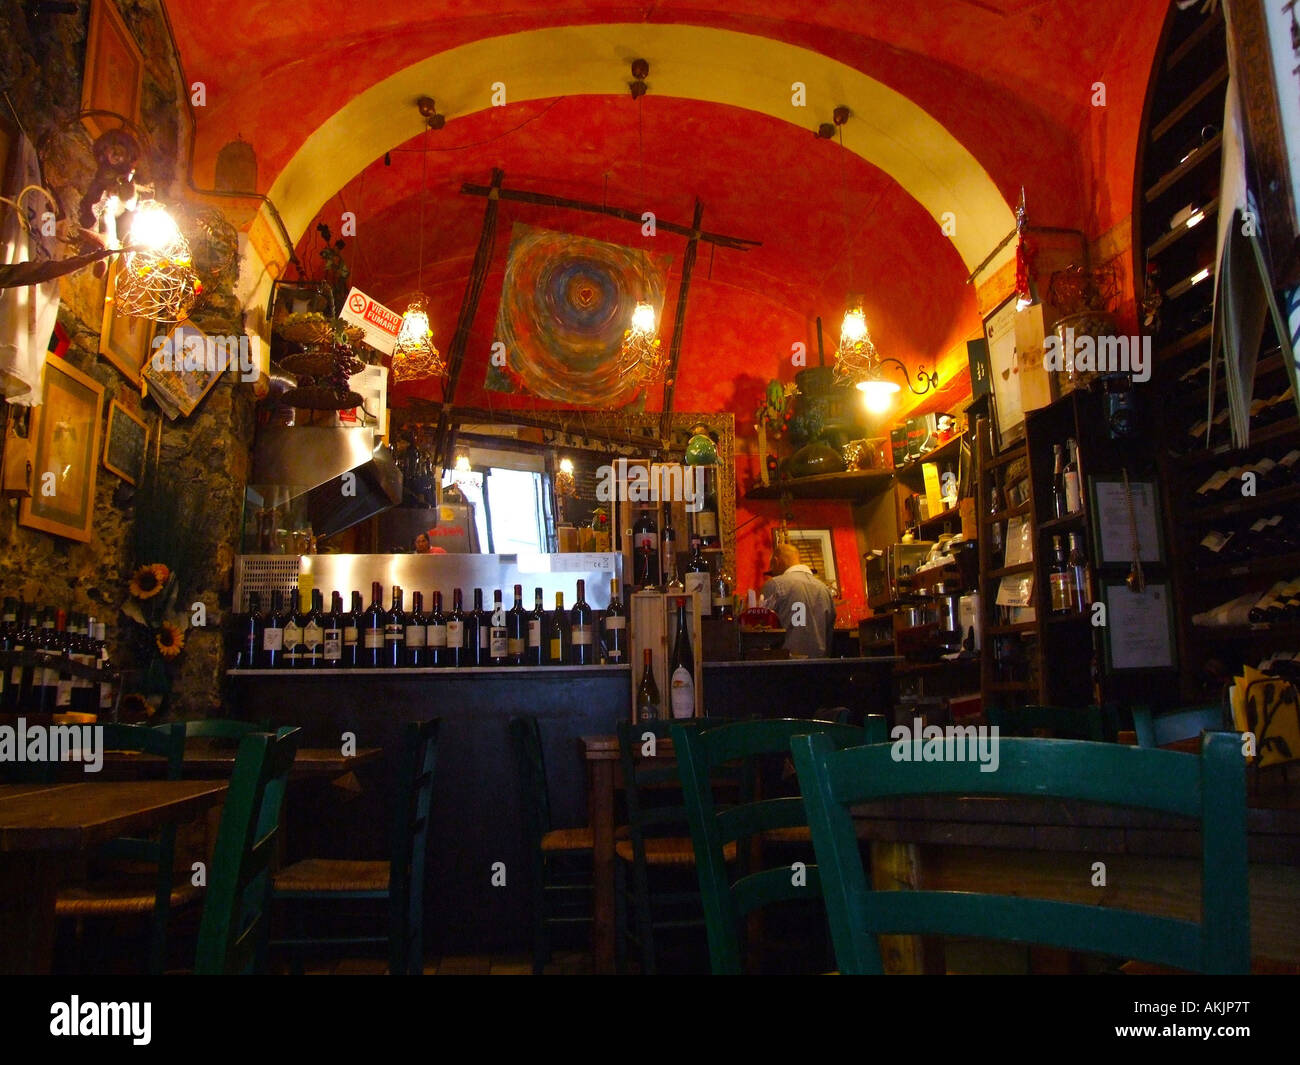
<point x="508" y="508"/>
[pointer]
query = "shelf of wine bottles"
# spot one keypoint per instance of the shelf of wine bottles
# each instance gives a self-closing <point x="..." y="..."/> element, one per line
<point x="300" y="636"/>
<point x="53" y="661"/>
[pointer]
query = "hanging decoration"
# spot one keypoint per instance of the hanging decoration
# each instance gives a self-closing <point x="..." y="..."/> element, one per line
<point x="640" y="354"/>
<point x="1026" y="289"/>
<point x="157" y="279"/>
<point x="414" y="356"/>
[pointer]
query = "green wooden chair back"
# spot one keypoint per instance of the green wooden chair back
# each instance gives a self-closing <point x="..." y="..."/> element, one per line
<point x="166" y="741"/>
<point x="1097" y="723"/>
<point x="221" y="728"/>
<point x="699" y="756"/>
<point x="1155" y="730"/>
<point x="233" y="931"/>
<point x="410" y="845"/>
<point x="654" y="808"/>
<point x="530" y="761"/>
<point x="1210" y="788"/>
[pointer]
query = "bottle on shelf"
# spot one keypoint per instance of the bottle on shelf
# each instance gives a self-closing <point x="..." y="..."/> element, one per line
<point x="724" y="606"/>
<point x="645" y="542"/>
<point x="249" y="653"/>
<point x="536" y="652"/>
<point x="63" y="648"/>
<point x="1060" y="579"/>
<point x="681" y="670"/>
<point x="45" y="677"/>
<point x="476" y="631"/>
<point x="1214" y="549"/>
<point x="332" y="636"/>
<point x="614" y="633"/>
<point x="672" y="580"/>
<point x="105" y="665"/>
<point x="556" y="633"/>
<point x="353" y="623"/>
<point x="457" y="651"/>
<point x="582" y="651"/>
<point x="706" y="518"/>
<point x="293" y="649"/>
<point x="698" y="577"/>
<point x="1078" y="561"/>
<point x="273" y="633"/>
<point x="1058" y="482"/>
<point x="372" y="628"/>
<point x="996" y="547"/>
<point x="436" y="634"/>
<point x="85" y="696"/>
<point x="8" y="631"/>
<point x="498" y="649"/>
<point x="417" y="634"/>
<point x="647" y="693"/>
<point x="313" y="634"/>
<point x="517" y="629"/>
<point x="1270" y="607"/>
<point x="1070" y="478"/>
<point x="395" y="632"/>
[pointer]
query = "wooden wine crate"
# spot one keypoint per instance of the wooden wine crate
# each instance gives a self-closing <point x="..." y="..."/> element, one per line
<point x="653" y="617"/>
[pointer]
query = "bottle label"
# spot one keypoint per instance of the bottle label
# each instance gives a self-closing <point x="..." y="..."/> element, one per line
<point x="616" y="622"/>
<point x="1063" y="591"/>
<point x="394" y="633"/>
<point x="272" y="639"/>
<point x="534" y="632"/>
<point x="106" y="696"/>
<point x="349" y="635"/>
<point x="63" y="695"/>
<point x="683" y="693"/>
<point x="1214" y="541"/>
<point x="1072" y="501"/>
<point x="647" y="542"/>
<point x="374" y="639"/>
<point x="580" y="635"/>
<point x="436" y="635"/>
<point x="313" y="636"/>
<point x="647" y="711"/>
<point x="614" y="654"/>
<point x="292" y="635"/>
<point x="515" y="645"/>
<point x="706" y="522"/>
<point x="415" y="635"/>
<point x="483" y="636"/>
<point x="557" y="648"/>
<point x="455" y="634"/>
<point x="1289" y="459"/>
<point x="697" y="584"/>
<point x="497" y="643"/>
<point x="333" y="640"/>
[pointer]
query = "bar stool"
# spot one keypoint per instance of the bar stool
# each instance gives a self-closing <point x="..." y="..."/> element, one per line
<point x="553" y="887"/>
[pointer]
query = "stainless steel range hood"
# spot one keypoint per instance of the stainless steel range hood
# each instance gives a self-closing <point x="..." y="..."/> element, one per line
<point x="315" y="461"/>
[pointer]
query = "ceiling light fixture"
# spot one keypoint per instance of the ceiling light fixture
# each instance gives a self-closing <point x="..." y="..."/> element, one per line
<point x="640" y="353"/>
<point x="414" y="354"/>
<point x="157" y="279"/>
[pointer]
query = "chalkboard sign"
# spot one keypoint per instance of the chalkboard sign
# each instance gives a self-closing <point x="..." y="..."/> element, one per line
<point x="125" y="443"/>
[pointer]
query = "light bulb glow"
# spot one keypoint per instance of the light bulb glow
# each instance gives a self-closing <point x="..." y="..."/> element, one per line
<point x="566" y="466"/>
<point x="1201" y="276"/>
<point x="414" y="329"/>
<point x="854" y="328"/>
<point x="1195" y="219"/>
<point x="152" y="228"/>
<point x="462" y="464"/>
<point x="643" y="318"/>
<point x="877" y="395"/>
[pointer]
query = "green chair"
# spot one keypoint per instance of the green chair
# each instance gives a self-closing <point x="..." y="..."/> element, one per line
<point x="548" y="848"/>
<point x="233" y="930"/>
<point x="1097" y="723"/>
<point x="1155" y="730"/>
<point x="221" y="728"/>
<point x="398" y="881"/>
<point x="699" y="757"/>
<point x="143" y="879"/>
<point x="1210" y="788"/>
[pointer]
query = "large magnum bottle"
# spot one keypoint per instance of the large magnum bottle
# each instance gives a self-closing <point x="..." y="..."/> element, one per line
<point x="699" y="577"/>
<point x="681" y="670"/>
<point x="395" y="632"/>
<point x="517" y="629"/>
<point x="581" y="650"/>
<point x="372" y="628"/>
<point x="615" y="627"/>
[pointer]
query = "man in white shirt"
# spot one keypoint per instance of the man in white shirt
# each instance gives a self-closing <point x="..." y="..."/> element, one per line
<point x="803" y="603"/>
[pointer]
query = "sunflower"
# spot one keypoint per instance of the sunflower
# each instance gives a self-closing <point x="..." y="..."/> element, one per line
<point x="170" y="640"/>
<point x="149" y="580"/>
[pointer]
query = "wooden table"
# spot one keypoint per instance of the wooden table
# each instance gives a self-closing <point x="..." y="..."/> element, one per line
<point x="205" y="759"/>
<point x="44" y="827"/>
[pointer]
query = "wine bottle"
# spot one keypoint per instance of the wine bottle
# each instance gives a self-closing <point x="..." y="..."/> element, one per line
<point x="581" y="650"/>
<point x="63" y="649"/>
<point x="372" y="628"/>
<point x="45" y="677"/>
<point x="614" y="633"/>
<point x="353" y="623"/>
<point x="672" y="581"/>
<point x="8" y="631"/>
<point x="1287" y="469"/>
<point x="273" y="633"/>
<point x="682" y="669"/>
<point x="723" y="605"/>
<point x="647" y="693"/>
<point x="698" y="577"/>
<point x="457" y="652"/>
<point x="1211" y="550"/>
<point x="293" y="632"/>
<point x="1060" y="580"/>
<point x="645" y="539"/>
<point x="517" y="629"/>
<point x="1078" y="561"/>
<point x="995" y="531"/>
<point x="1269" y="606"/>
<point x="313" y="634"/>
<point x="1070" y="478"/>
<point x="436" y="634"/>
<point x="395" y="632"/>
<point x="476" y="632"/>
<point x="555" y="633"/>
<point x="1058" y="482"/>
<point x="332" y="636"/>
<point x="498" y="641"/>
<point x="105" y="665"/>
<point x="417" y="633"/>
<point x="536" y="655"/>
<point x="706" y="518"/>
<point x="248" y="655"/>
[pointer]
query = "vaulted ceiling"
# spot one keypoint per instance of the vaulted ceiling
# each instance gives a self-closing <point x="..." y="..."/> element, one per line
<point x="956" y="104"/>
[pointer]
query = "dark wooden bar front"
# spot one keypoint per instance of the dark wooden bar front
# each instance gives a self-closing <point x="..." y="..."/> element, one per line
<point x="476" y="805"/>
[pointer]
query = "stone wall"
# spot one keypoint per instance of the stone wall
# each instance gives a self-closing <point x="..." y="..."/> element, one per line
<point x="205" y="457"/>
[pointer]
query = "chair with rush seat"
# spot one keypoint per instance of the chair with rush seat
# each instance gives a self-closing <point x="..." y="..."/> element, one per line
<point x="727" y="901"/>
<point x="233" y="932"/>
<point x="549" y="847"/>
<point x="1210" y="788"/>
<point x="145" y="882"/>
<point x="399" y="881"/>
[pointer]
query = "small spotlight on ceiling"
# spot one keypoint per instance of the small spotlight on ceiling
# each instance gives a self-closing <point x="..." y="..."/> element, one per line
<point x="429" y="110"/>
<point x="640" y="71"/>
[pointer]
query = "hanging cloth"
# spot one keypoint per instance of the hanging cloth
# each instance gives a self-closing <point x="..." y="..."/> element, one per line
<point x="27" y="313"/>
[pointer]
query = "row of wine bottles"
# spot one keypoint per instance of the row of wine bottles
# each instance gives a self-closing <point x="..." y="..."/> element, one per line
<point x="308" y="637"/>
<point x="1266" y="535"/>
<point x="1281" y="603"/>
<point x="1234" y="482"/>
<point x="1264" y="411"/>
<point x="681" y="677"/>
<point x="56" y="637"/>
<point x="655" y="563"/>
<point x="1069" y="578"/>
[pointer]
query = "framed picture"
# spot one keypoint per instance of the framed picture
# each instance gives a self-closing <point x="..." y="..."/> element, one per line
<point x="65" y="432"/>
<point x="178" y="390"/>
<point x="123" y="338"/>
<point x="1112" y="525"/>
<point x="1004" y="373"/>
<point x="1138" y="634"/>
<point x="114" y="74"/>
<point x="817" y="552"/>
<point x="125" y="443"/>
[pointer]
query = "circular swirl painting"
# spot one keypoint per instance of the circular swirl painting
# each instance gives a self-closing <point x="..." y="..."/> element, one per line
<point x="565" y="304"/>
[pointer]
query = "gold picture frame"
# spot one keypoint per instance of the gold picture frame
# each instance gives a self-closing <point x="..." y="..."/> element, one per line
<point x="126" y="443"/>
<point x="113" y="80"/>
<point x="124" y="339"/>
<point x="178" y="391"/>
<point x="65" y="449"/>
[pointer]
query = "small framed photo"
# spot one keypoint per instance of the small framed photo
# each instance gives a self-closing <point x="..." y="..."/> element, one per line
<point x="124" y="339"/>
<point x="817" y="552"/>
<point x="65" y="432"/>
<point x="1139" y="626"/>
<point x="114" y="76"/>
<point x="126" y="442"/>
<point x="1004" y="373"/>
<point x="1114" y="525"/>
<point x="176" y="389"/>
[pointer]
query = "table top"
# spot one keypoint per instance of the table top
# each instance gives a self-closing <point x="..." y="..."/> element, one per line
<point x="77" y="816"/>
<point x="202" y="758"/>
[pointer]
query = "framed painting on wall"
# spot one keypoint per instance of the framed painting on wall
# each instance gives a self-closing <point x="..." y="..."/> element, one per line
<point x="178" y="390"/>
<point x="1004" y="373"/>
<point x="65" y="434"/>
<point x="114" y="74"/>
<point x="123" y="338"/>
<point x="125" y="442"/>
<point x="817" y="552"/>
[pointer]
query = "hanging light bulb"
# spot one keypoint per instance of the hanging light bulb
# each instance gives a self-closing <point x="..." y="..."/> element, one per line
<point x="877" y="394"/>
<point x="640" y="353"/>
<point x="157" y="278"/>
<point x="414" y="355"/>
<point x="152" y="227"/>
<point x="462" y="463"/>
<point x="643" y="318"/>
<point x="854" y="329"/>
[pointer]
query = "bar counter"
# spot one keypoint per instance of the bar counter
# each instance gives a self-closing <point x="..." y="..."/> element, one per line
<point x="476" y="818"/>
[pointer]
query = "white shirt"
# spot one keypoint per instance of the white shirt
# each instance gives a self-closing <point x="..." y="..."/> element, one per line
<point x="808" y="631"/>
